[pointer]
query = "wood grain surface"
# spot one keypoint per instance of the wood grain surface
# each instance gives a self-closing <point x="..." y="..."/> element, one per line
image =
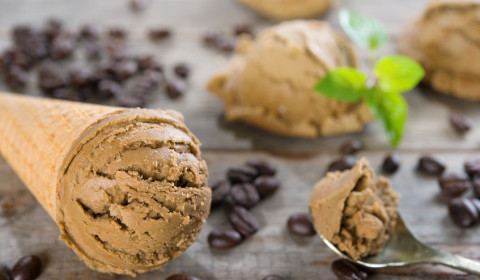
<point x="26" y="228"/>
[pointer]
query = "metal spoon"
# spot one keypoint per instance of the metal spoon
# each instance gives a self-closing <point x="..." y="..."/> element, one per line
<point x="403" y="248"/>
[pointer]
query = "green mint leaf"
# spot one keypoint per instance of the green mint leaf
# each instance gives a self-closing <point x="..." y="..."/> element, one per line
<point x="364" y="31"/>
<point x="391" y="110"/>
<point x="398" y="73"/>
<point x="344" y="84"/>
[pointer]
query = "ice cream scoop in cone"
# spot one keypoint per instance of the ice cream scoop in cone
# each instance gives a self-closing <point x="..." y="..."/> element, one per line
<point x="127" y="187"/>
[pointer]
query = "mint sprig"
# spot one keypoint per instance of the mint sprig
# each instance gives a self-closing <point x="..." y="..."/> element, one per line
<point x="382" y="92"/>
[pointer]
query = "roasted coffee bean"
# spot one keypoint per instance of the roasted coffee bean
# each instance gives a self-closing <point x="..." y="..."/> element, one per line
<point x="108" y="88"/>
<point x="53" y="28"/>
<point x="220" y="191"/>
<point x="266" y="185"/>
<point x="301" y="225"/>
<point x="130" y="101"/>
<point x="226" y="44"/>
<point x="431" y="165"/>
<point x="346" y="270"/>
<point x="4" y="273"/>
<point x="463" y="212"/>
<point x="390" y="164"/>
<point x="211" y="38"/>
<point x="20" y="33"/>
<point x="245" y="194"/>
<point x="472" y="167"/>
<point x="62" y="46"/>
<point x="243" y="221"/>
<point x="272" y="277"/>
<point x="157" y="34"/>
<point x="224" y="239"/>
<point x="67" y="94"/>
<point x="182" y="277"/>
<point x="16" y="78"/>
<point x="117" y="33"/>
<point x="93" y="50"/>
<point x="50" y="77"/>
<point x="137" y="5"/>
<point x="460" y="123"/>
<point x="125" y="69"/>
<point x="80" y="78"/>
<point x="342" y="164"/>
<point x="182" y="70"/>
<point x="153" y="76"/>
<point x="242" y="29"/>
<point x="453" y="184"/>
<point x="175" y="88"/>
<point x="27" y="268"/>
<point x="476" y="186"/>
<point x="89" y="31"/>
<point x="242" y="174"/>
<point x="351" y="147"/>
<point x="263" y="167"/>
<point x="147" y="62"/>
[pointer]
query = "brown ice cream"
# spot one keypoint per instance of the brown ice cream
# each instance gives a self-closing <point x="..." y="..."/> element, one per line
<point x="289" y="9"/>
<point x="354" y="210"/>
<point x="270" y="82"/>
<point x="446" y="41"/>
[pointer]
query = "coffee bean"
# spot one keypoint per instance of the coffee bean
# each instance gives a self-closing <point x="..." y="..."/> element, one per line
<point x="301" y="225"/>
<point x="153" y="76"/>
<point x="80" y="78"/>
<point x="342" y="164"/>
<point x="211" y="38"/>
<point x="27" y="268"/>
<point x="220" y="191"/>
<point x="266" y="185"/>
<point x="453" y="184"/>
<point x="351" y="147"/>
<point x="146" y="62"/>
<point x="157" y="34"/>
<point x="243" y="221"/>
<point x="463" y="212"/>
<point x="125" y="69"/>
<point x="50" y="77"/>
<point x="53" y="28"/>
<point x="431" y="165"/>
<point x="89" y="31"/>
<point x="245" y="194"/>
<point x="476" y="186"/>
<point x="224" y="239"/>
<point x="242" y="174"/>
<point x="108" y="88"/>
<point x="472" y="167"/>
<point x="272" y="277"/>
<point x="137" y="5"/>
<point x="346" y="270"/>
<point x="460" y="123"/>
<point x="263" y="167"/>
<point x="242" y="29"/>
<point x="182" y="70"/>
<point x="16" y="78"/>
<point x="117" y="33"/>
<point x="62" y="46"/>
<point x="93" y="50"/>
<point x="4" y="273"/>
<point x="67" y="94"/>
<point x="182" y="277"/>
<point x="390" y="164"/>
<point x="4" y="276"/>
<point x="130" y="101"/>
<point x="175" y="88"/>
<point x="226" y="44"/>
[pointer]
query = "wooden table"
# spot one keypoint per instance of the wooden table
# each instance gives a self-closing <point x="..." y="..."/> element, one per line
<point x="301" y="163"/>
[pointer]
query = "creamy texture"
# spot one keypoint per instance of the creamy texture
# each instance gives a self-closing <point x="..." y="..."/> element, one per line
<point x="289" y="9"/>
<point x="270" y="82"/>
<point x="133" y="194"/>
<point x="354" y="210"/>
<point x="446" y="41"/>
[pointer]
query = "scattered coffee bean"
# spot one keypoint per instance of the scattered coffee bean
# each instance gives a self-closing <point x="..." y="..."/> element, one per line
<point x="266" y="185"/>
<point x="226" y="44"/>
<point x="117" y="33"/>
<point x="16" y="78"/>
<point x="431" y="165"/>
<point x="472" y="167"/>
<point x="351" y="147"/>
<point x="130" y="101"/>
<point x="148" y="62"/>
<point x="157" y="34"/>
<point x="93" y="50"/>
<point x="453" y="184"/>
<point x="460" y="123"/>
<point x="62" y="46"/>
<point x="346" y="270"/>
<point x="67" y="94"/>
<point x="125" y="69"/>
<point x="243" y="221"/>
<point x="108" y="88"/>
<point x="175" y="88"/>
<point x="342" y="164"/>
<point x="89" y="31"/>
<point x="211" y="38"/>
<point x="242" y="174"/>
<point x="476" y="186"/>
<point x="182" y="70"/>
<point x="224" y="239"/>
<point x="182" y="277"/>
<point x="50" y="77"/>
<point x="463" y="212"/>
<point x="220" y="191"/>
<point x="390" y="164"/>
<point x="242" y="29"/>
<point x="263" y="167"/>
<point x="245" y="194"/>
<point x="80" y="78"/>
<point x="4" y="273"/>
<point x="137" y="5"/>
<point x="27" y="268"/>
<point x="272" y="277"/>
<point x="53" y="28"/>
<point x="301" y="225"/>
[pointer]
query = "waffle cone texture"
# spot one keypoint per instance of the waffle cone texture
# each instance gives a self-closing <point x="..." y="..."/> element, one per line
<point x="126" y="187"/>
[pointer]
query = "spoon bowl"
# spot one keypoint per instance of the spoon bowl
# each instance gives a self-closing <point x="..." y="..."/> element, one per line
<point x="403" y="249"/>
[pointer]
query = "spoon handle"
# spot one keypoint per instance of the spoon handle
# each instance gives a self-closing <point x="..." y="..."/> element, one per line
<point x="457" y="262"/>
